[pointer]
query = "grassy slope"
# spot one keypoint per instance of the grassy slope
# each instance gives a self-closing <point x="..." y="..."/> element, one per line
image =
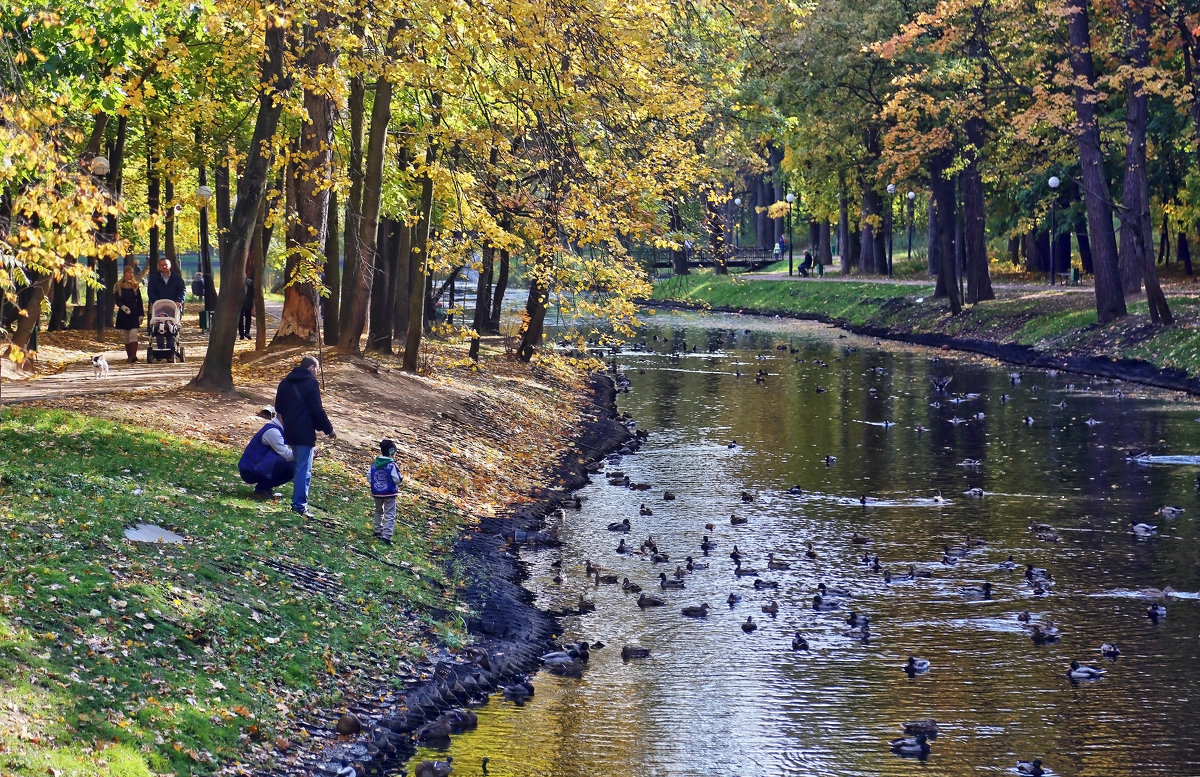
<point x="122" y="658"/>
<point x="1048" y="320"/>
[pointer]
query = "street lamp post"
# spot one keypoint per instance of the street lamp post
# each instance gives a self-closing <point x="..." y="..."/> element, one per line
<point x="912" y="197"/>
<point x="891" y="190"/>
<point x="737" y="222"/>
<point x="204" y="193"/>
<point x="790" y="199"/>
<point x="1053" y="184"/>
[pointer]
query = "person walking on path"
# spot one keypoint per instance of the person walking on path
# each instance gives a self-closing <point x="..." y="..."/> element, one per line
<point x="384" y="477"/>
<point x="247" y="311"/>
<point x="166" y="285"/>
<point x="298" y="403"/>
<point x="130" y="310"/>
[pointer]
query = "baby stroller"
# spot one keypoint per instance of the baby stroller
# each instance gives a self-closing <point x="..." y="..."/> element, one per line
<point x="164" y="332"/>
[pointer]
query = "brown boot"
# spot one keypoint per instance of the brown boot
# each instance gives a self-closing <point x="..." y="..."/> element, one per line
<point x="131" y="352"/>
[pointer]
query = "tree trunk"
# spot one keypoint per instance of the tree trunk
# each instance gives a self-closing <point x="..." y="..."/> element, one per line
<point x="678" y="255"/>
<point x="216" y="373"/>
<point x="843" y="222"/>
<point x="498" y="292"/>
<point x="355" y="283"/>
<point x="943" y="195"/>
<point x="483" y="288"/>
<point x="1164" y="243"/>
<point x="330" y="318"/>
<point x="931" y="237"/>
<point x="979" y="278"/>
<point x="368" y="235"/>
<point x="260" y="244"/>
<point x="1110" y="301"/>
<point x="715" y="226"/>
<point x="535" y="306"/>
<point x="379" y="337"/>
<point x="1137" y="237"/>
<point x="153" y="198"/>
<point x="313" y="169"/>
<point x="403" y="281"/>
<point x="27" y="323"/>
<point x="1184" y="252"/>
<point x="108" y="266"/>
<point x="873" y="259"/>
<point x="169" y="251"/>
<point x="420" y="249"/>
<point x="824" y="254"/>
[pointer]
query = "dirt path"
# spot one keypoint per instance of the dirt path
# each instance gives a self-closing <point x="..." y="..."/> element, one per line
<point x="75" y="376"/>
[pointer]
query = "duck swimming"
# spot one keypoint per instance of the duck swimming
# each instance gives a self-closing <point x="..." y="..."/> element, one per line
<point x="773" y="564"/>
<point x="634" y="651"/>
<point x="1167" y="511"/>
<point x="822" y="606"/>
<point x="643" y="510"/>
<point x="749" y="625"/>
<point x="975" y="492"/>
<point x="1141" y="529"/>
<point x="733" y="599"/>
<point x="623" y="525"/>
<point x="912" y="747"/>
<point x="706" y="544"/>
<point x="799" y="642"/>
<point x="928" y="727"/>
<point x="1008" y="563"/>
<point x="1156" y="611"/>
<point x="621" y="547"/>
<point x="696" y="611"/>
<point x="649" y="601"/>
<point x="832" y="593"/>
<point x="630" y="588"/>
<point x="771" y="608"/>
<point x="916" y="666"/>
<point x="1110" y="650"/>
<point x="1081" y="672"/>
<point x="737" y="520"/>
<point x="978" y="592"/>
<point x="692" y="566"/>
<point x="742" y="571"/>
<point x="1032" y="768"/>
<point x="811" y="552"/>
<point x="666" y="582"/>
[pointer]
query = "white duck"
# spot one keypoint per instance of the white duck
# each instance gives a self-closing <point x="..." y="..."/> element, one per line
<point x="1141" y="529"/>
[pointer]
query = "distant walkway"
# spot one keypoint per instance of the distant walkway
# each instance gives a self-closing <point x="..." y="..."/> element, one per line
<point x="78" y="379"/>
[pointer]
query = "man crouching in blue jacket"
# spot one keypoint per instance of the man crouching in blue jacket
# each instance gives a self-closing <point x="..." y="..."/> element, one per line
<point x="267" y="462"/>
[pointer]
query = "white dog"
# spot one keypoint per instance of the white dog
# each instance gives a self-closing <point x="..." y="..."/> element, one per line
<point x="99" y="366"/>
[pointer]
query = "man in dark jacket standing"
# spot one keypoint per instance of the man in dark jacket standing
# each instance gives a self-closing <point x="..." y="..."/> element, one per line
<point x="166" y="285"/>
<point x="298" y="403"/>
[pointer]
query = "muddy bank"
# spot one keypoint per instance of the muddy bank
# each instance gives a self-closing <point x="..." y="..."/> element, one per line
<point x="1132" y="370"/>
<point x="509" y="633"/>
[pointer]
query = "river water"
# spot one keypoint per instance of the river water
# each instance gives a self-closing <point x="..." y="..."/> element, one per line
<point x="714" y="700"/>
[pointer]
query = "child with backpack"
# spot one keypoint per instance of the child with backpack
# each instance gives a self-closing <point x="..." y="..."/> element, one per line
<point x="384" y="477"/>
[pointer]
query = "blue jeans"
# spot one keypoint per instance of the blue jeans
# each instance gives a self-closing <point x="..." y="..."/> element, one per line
<point x="304" y="460"/>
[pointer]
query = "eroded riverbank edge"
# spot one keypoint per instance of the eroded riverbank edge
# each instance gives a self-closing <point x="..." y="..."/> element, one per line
<point x="508" y="630"/>
<point x="1132" y="370"/>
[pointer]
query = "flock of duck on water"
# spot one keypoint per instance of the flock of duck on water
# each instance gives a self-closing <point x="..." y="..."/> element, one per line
<point x="572" y="658"/>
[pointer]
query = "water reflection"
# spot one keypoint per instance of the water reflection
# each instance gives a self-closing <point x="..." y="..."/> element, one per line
<point x="713" y="700"/>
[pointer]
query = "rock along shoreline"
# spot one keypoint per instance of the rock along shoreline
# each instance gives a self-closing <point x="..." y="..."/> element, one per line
<point x="509" y="632"/>
<point x="1132" y="370"/>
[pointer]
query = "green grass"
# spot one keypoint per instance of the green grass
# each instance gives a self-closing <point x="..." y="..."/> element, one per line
<point x="127" y="658"/>
<point x="1051" y="320"/>
<point x="844" y="300"/>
